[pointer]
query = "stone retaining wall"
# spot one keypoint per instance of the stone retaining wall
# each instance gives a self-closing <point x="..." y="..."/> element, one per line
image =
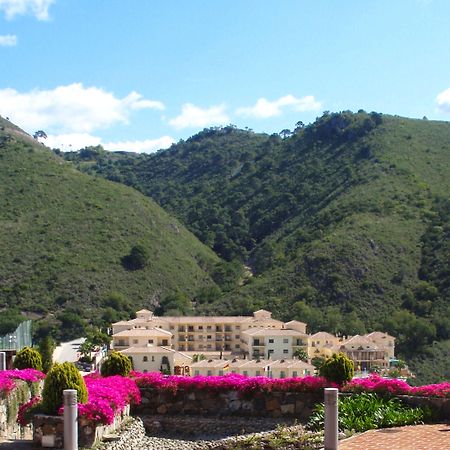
<point x="48" y="431"/>
<point x="207" y="403"/>
<point x="9" y="406"/>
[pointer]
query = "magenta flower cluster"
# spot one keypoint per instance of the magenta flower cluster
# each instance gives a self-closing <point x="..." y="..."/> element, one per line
<point x="241" y="383"/>
<point x="23" y="414"/>
<point x="8" y="378"/>
<point x="375" y="383"/>
<point x="107" y="397"/>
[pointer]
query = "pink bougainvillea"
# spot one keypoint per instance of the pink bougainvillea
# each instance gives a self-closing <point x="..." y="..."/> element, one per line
<point x="8" y="377"/>
<point x="393" y="386"/>
<point x="24" y="413"/>
<point x="240" y="383"/>
<point x="106" y="397"/>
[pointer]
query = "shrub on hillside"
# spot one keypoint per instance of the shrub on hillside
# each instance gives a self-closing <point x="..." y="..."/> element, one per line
<point x="338" y="369"/>
<point x="61" y="377"/>
<point x="28" y="358"/>
<point x="116" y="364"/>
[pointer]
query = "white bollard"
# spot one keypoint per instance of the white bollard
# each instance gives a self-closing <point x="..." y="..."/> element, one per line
<point x="70" y="419"/>
<point x="331" y="419"/>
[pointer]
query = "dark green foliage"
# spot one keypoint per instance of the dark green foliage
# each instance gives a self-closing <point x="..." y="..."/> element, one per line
<point x="300" y="354"/>
<point x="367" y="411"/>
<point x="61" y="377"/>
<point x="9" y="320"/>
<point x="46" y="348"/>
<point x="177" y="304"/>
<point x="137" y="259"/>
<point x="28" y="358"/>
<point x="338" y="369"/>
<point x="116" y="364"/>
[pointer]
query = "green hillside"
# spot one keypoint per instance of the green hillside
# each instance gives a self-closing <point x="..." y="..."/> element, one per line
<point x="67" y="239"/>
<point x="343" y="222"/>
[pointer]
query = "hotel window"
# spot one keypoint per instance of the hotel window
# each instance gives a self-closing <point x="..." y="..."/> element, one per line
<point x="145" y="359"/>
<point x="258" y="373"/>
<point x="196" y="373"/>
<point x="245" y="373"/>
<point x="270" y="341"/>
<point x="282" y="374"/>
<point x="220" y="373"/>
<point x="285" y="341"/>
<point x="135" y="341"/>
<point x="150" y="341"/>
<point x="153" y="359"/>
<point x="285" y="351"/>
<point x="200" y="327"/>
<point x="236" y="336"/>
<point x="237" y="346"/>
<point x="165" y="342"/>
<point x="294" y="374"/>
<point x="145" y="370"/>
<point x="209" y="373"/>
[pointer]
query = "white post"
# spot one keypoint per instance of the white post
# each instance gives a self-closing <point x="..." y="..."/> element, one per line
<point x="70" y="419"/>
<point x="331" y="419"/>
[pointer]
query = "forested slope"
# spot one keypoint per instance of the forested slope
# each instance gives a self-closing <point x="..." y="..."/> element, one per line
<point x="342" y="223"/>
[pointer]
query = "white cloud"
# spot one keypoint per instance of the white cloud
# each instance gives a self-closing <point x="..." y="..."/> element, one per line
<point x="76" y="141"/>
<point x="193" y="117"/>
<point x="264" y="108"/>
<point x="38" y="8"/>
<point x="443" y="101"/>
<point x="71" y="141"/>
<point x="70" y="109"/>
<point x="144" y="146"/>
<point x="8" y="40"/>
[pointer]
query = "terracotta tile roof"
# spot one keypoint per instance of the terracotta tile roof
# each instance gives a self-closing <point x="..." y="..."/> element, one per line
<point x="143" y="332"/>
<point x="324" y="335"/>
<point x="379" y="334"/>
<point x="273" y="332"/>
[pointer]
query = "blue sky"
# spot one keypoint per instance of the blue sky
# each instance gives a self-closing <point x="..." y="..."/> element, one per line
<point x="140" y="74"/>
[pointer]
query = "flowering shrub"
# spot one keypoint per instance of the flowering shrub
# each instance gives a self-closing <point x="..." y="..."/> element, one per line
<point x="243" y="384"/>
<point x="8" y="377"/>
<point x="106" y="397"/>
<point x="26" y="411"/>
<point x="393" y="386"/>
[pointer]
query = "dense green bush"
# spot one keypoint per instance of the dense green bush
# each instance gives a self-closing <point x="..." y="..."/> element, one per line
<point x="339" y="369"/>
<point x="116" y="364"/>
<point x="61" y="377"/>
<point x="28" y="358"/>
<point x="367" y="411"/>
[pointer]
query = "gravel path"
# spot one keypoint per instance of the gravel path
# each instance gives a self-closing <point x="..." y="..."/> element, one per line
<point x="132" y="437"/>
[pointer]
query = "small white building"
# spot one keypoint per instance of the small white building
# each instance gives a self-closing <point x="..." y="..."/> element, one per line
<point x="158" y="359"/>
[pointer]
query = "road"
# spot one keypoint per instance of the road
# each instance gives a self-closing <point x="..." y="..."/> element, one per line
<point x="68" y="351"/>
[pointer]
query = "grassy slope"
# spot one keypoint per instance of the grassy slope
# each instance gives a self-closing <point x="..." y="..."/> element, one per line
<point x="63" y="235"/>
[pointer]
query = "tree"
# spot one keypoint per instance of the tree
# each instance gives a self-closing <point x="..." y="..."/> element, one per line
<point x="285" y="133"/>
<point x="138" y="258"/>
<point x="300" y="354"/>
<point x="40" y="134"/>
<point x="338" y="369"/>
<point x="46" y="349"/>
<point x="28" y="358"/>
<point x="116" y="364"/>
<point x="61" y="377"/>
